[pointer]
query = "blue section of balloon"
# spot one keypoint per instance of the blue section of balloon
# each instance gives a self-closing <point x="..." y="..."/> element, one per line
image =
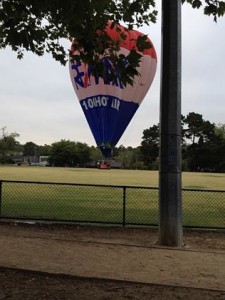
<point x="108" y="118"/>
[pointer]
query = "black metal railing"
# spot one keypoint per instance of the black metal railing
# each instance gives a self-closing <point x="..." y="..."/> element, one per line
<point x="110" y="204"/>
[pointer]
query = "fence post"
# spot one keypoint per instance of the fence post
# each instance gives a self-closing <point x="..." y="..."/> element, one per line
<point x="0" y="198"/>
<point x="124" y="206"/>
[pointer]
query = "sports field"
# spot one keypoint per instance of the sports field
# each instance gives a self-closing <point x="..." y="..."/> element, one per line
<point x="107" y="204"/>
<point x="214" y="181"/>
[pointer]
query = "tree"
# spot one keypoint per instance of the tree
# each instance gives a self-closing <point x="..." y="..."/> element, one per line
<point x="41" y="26"/>
<point x="200" y="136"/>
<point x="95" y="154"/>
<point x="203" y="145"/>
<point x="210" y="7"/>
<point x="220" y="130"/>
<point x="30" y="149"/>
<point x="214" y="158"/>
<point x="8" y="145"/>
<point x="197" y="128"/>
<point x="127" y="156"/>
<point x="83" y="153"/>
<point x="63" y="154"/>
<point x="220" y="148"/>
<point x="69" y="154"/>
<point x="150" y="145"/>
<point x="44" y="150"/>
<point x="203" y="149"/>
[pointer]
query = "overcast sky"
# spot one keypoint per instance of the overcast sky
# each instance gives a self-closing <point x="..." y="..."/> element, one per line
<point x="38" y="101"/>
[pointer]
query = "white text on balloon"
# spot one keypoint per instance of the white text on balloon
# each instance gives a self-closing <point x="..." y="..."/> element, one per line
<point x="99" y="101"/>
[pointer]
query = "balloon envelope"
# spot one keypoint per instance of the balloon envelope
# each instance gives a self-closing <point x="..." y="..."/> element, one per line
<point x="109" y="106"/>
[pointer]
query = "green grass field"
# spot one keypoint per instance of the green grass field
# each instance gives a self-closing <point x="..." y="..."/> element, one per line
<point x="213" y="181"/>
<point x="104" y="204"/>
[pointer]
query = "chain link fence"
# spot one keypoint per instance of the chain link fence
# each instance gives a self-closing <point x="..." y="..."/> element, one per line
<point x="89" y="203"/>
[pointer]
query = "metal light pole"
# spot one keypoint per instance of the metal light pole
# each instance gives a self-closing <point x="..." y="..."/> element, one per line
<point x="170" y="202"/>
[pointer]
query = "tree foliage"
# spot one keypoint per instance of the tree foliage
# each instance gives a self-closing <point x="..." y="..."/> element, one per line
<point x="30" y="149"/>
<point x="129" y="157"/>
<point x="213" y="8"/>
<point x="203" y="146"/>
<point x="220" y="130"/>
<point x="69" y="154"/>
<point x="197" y="128"/>
<point x="40" y="26"/>
<point x="150" y="145"/>
<point x="8" y="145"/>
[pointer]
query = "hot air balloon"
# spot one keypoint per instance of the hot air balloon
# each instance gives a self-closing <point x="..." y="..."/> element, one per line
<point x="109" y="106"/>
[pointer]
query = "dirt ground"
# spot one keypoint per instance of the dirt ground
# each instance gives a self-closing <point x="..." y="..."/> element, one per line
<point x="20" y="283"/>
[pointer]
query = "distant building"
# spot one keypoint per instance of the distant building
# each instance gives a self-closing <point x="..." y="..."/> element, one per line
<point x="30" y="160"/>
<point x="43" y="161"/>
